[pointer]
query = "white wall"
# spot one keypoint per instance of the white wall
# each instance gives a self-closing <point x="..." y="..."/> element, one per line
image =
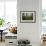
<point x="29" y="31"/>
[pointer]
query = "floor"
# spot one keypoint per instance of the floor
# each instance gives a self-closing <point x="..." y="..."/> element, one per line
<point x="2" y="43"/>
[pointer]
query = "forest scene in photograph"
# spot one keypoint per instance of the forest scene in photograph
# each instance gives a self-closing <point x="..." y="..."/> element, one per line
<point x="27" y="16"/>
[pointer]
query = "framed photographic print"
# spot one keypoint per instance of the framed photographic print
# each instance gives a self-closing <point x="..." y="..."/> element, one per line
<point x="28" y="16"/>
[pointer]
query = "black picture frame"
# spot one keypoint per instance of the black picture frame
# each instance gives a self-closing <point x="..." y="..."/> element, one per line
<point x="27" y="16"/>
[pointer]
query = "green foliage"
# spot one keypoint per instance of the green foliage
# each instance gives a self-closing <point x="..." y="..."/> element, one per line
<point x="27" y="17"/>
<point x="1" y="22"/>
